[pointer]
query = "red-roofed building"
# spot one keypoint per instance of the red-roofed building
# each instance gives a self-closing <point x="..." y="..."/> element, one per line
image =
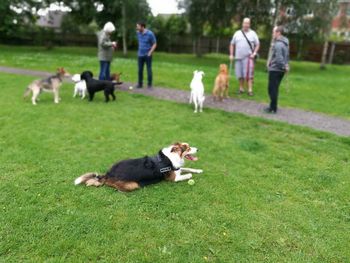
<point x="341" y="22"/>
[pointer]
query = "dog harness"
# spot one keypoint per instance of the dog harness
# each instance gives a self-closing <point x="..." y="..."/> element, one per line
<point x="163" y="164"/>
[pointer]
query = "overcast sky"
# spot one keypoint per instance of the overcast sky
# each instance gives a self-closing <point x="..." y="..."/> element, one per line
<point x="163" y="6"/>
<point x="157" y="7"/>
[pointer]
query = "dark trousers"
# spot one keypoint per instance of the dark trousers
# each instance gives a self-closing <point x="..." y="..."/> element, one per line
<point x="105" y="73"/>
<point x="141" y="61"/>
<point x="275" y="78"/>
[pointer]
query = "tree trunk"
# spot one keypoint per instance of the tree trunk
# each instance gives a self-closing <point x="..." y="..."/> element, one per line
<point x="324" y="55"/>
<point x="198" y="47"/>
<point x="194" y="46"/>
<point x="124" y="30"/>
<point x="300" y="48"/>
<point x="217" y="45"/>
<point x="327" y="33"/>
<point x="331" y="54"/>
<point x="274" y="24"/>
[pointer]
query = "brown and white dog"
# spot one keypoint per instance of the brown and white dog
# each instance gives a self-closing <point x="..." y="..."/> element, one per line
<point x="132" y="174"/>
<point x="221" y="83"/>
<point x="50" y="84"/>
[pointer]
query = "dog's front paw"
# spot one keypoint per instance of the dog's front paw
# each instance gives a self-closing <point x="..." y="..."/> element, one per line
<point x="200" y="171"/>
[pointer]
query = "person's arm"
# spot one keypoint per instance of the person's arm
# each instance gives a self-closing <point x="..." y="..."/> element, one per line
<point x="152" y="49"/>
<point x="106" y="43"/>
<point x="257" y="46"/>
<point x="232" y="47"/>
<point x="154" y="45"/>
<point x="287" y="60"/>
<point x="257" y="49"/>
<point x="232" y="51"/>
<point x="279" y="56"/>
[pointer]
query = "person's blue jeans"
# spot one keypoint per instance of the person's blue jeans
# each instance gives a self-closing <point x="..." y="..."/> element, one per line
<point x="141" y="61"/>
<point x="105" y="70"/>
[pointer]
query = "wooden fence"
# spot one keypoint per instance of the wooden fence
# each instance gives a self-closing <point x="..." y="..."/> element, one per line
<point x="311" y="51"/>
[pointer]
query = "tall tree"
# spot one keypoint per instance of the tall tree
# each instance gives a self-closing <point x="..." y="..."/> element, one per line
<point x="324" y="14"/>
<point x="258" y="10"/>
<point x="123" y="13"/>
<point x="197" y="14"/>
<point x="220" y="18"/>
<point x="132" y="12"/>
<point x="306" y="19"/>
<point x="17" y="15"/>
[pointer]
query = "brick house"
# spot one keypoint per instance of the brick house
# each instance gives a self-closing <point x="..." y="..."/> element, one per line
<point x="341" y="21"/>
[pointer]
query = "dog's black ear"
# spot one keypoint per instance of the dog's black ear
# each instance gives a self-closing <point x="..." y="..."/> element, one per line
<point x="91" y="75"/>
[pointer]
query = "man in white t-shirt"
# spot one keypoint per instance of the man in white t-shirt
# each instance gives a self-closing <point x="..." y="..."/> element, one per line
<point x="244" y="52"/>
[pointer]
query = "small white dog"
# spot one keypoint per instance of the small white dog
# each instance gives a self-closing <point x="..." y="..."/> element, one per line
<point x="80" y="86"/>
<point x="197" y="91"/>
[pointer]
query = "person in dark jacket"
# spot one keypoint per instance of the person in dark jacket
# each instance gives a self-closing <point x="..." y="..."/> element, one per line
<point x="106" y="48"/>
<point x="278" y="65"/>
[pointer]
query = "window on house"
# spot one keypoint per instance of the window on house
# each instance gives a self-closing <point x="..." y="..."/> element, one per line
<point x="348" y="10"/>
<point x="290" y="11"/>
<point x="309" y="13"/>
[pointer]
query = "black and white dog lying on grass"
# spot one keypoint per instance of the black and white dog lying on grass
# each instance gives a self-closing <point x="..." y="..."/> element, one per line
<point x="129" y="175"/>
<point x="94" y="86"/>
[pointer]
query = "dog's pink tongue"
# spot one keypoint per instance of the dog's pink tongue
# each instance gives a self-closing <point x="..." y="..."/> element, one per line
<point x="191" y="157"/>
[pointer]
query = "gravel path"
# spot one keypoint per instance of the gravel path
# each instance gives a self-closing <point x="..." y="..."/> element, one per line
<point x="309" y="119"/>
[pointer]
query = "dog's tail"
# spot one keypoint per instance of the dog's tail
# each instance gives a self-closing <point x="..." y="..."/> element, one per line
<point x="26" y="92"/>
<point x="90" y="179"/>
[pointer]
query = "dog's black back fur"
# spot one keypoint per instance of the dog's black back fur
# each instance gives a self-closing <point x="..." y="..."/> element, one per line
<point x="145" y="171"/>
<point x="94" y="85"/>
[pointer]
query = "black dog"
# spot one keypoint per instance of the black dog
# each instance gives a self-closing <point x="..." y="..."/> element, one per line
<point x="94" y="85"/>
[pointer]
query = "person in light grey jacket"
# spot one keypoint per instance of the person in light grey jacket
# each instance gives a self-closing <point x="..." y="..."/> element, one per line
<point x="278" y="65"/>
<point x="106" y="48"/>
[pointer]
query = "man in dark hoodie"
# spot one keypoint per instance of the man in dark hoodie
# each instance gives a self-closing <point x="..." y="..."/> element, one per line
<point x="278" y="65"/>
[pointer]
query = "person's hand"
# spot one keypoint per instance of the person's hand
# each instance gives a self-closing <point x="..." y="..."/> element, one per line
<point x="149" y="54"/>
<point x="252" y="56"/>
<point x="232" y="57"/>
<point x="114" y="45"/>
<point x="287" y="68"/>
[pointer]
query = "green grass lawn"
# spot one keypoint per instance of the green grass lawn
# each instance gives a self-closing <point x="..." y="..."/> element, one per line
<point x="310" y="88"/>
<point x="270" y="192"/>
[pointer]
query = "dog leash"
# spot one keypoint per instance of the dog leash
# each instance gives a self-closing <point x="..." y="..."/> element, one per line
<point x="230" y="70"/>
<point x="250" y="69"/>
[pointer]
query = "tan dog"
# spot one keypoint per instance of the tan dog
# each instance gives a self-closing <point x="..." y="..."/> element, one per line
<point x="115" y="78"/>
<point x="221" y="83"/>
<point x="50" y="84"/>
